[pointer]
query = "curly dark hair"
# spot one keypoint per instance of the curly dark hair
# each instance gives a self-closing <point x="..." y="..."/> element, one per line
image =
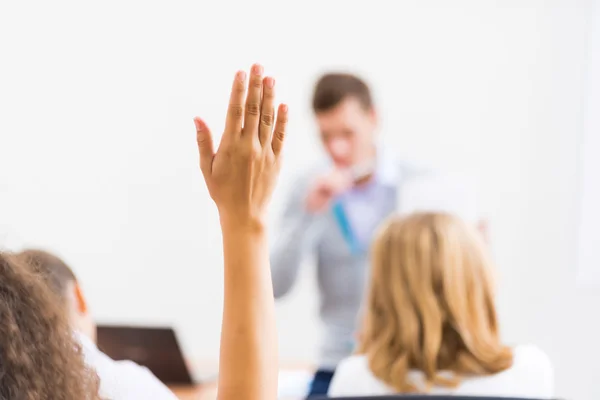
<point x="39" y="356"/>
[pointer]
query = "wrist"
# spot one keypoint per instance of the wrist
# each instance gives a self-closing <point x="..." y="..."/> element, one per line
<point x="242" y="224"/>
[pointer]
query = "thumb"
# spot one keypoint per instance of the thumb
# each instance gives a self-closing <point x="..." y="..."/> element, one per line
<point x="205" y="145"/>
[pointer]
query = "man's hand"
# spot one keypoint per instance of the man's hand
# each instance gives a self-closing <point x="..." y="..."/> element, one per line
<point x="242" y="174"/>
<point x="326" y="188"/>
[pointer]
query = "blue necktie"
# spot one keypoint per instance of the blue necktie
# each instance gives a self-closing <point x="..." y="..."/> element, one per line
<point x="342" y="219"/>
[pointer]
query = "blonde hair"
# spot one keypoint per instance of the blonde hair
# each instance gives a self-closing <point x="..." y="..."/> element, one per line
<point x="430" y="305"/>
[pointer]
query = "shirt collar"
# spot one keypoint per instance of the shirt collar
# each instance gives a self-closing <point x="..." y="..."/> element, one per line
<point x="84" y="340"/>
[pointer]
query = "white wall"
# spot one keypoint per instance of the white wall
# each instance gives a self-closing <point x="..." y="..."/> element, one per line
<point x="98" y="161"/>
<point x="589" y="213"/>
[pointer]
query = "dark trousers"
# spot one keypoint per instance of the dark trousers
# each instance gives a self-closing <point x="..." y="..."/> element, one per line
<point x="320" y="383"/>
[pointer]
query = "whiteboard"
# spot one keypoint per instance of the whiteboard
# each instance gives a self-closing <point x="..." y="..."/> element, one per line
<point x="588" y="253"/>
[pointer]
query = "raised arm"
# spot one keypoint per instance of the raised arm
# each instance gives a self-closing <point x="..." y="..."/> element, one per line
<point x="240" y="177"/>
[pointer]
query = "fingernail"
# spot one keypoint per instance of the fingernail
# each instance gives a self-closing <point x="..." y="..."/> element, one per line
<point x="284" y="107"/>
<point x="257" y="69"/>
<point x="241" y="76"/>
<point x="270" y="82"/>
<point x="198" y="124"/>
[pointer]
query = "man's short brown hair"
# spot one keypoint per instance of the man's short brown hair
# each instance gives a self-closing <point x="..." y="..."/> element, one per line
<point x="56" y="272"/>
<point x="333" y="88"/>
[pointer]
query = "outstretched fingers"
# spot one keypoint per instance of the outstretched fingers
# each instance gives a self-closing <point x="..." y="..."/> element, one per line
<point x="235" y="112"/>
<point x="280" y="129"/>
<point x="253" y="101"/>
<point x="205" y="146"/>
<point x="267" y="115"/>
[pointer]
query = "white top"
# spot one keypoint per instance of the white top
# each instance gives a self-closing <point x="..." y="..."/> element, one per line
<point x="530" y="376"/>
<point x="122" y="379"/>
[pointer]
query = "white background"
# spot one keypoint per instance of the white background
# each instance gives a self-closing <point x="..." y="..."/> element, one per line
<point x="589" y="213"/>
<point x="98" y="160"/>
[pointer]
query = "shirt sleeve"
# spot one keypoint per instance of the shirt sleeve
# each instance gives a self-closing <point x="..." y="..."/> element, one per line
<point x="296" y="234"/>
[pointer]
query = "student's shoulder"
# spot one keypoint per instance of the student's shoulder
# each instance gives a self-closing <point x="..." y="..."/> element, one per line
<point x="133" y="370"/>
<point x="531" y="358"/>
<point x="138" y="380"/>
<point x="533" y="369"/>
<point x="353" y="377"/>
<point x="353" y="363"/>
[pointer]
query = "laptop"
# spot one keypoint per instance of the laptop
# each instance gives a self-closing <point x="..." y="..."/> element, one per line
<point x="154" y="348"/>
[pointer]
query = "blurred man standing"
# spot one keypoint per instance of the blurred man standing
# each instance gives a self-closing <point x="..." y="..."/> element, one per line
<point x="333" y="211"/>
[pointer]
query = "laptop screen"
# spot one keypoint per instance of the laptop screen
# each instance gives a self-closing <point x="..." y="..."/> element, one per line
<point x="154" y="348"/>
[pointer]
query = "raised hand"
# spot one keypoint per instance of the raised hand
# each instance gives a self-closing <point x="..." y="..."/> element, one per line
<point x="241" y="177"/>
<point x="242" y="174"/>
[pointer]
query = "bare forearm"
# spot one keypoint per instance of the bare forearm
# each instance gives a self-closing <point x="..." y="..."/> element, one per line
<point x="248" y="362"/>
<point x="240" y="177"/>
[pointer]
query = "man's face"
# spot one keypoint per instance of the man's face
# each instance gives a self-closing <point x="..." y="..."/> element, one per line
<point x="348" y="133"/>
